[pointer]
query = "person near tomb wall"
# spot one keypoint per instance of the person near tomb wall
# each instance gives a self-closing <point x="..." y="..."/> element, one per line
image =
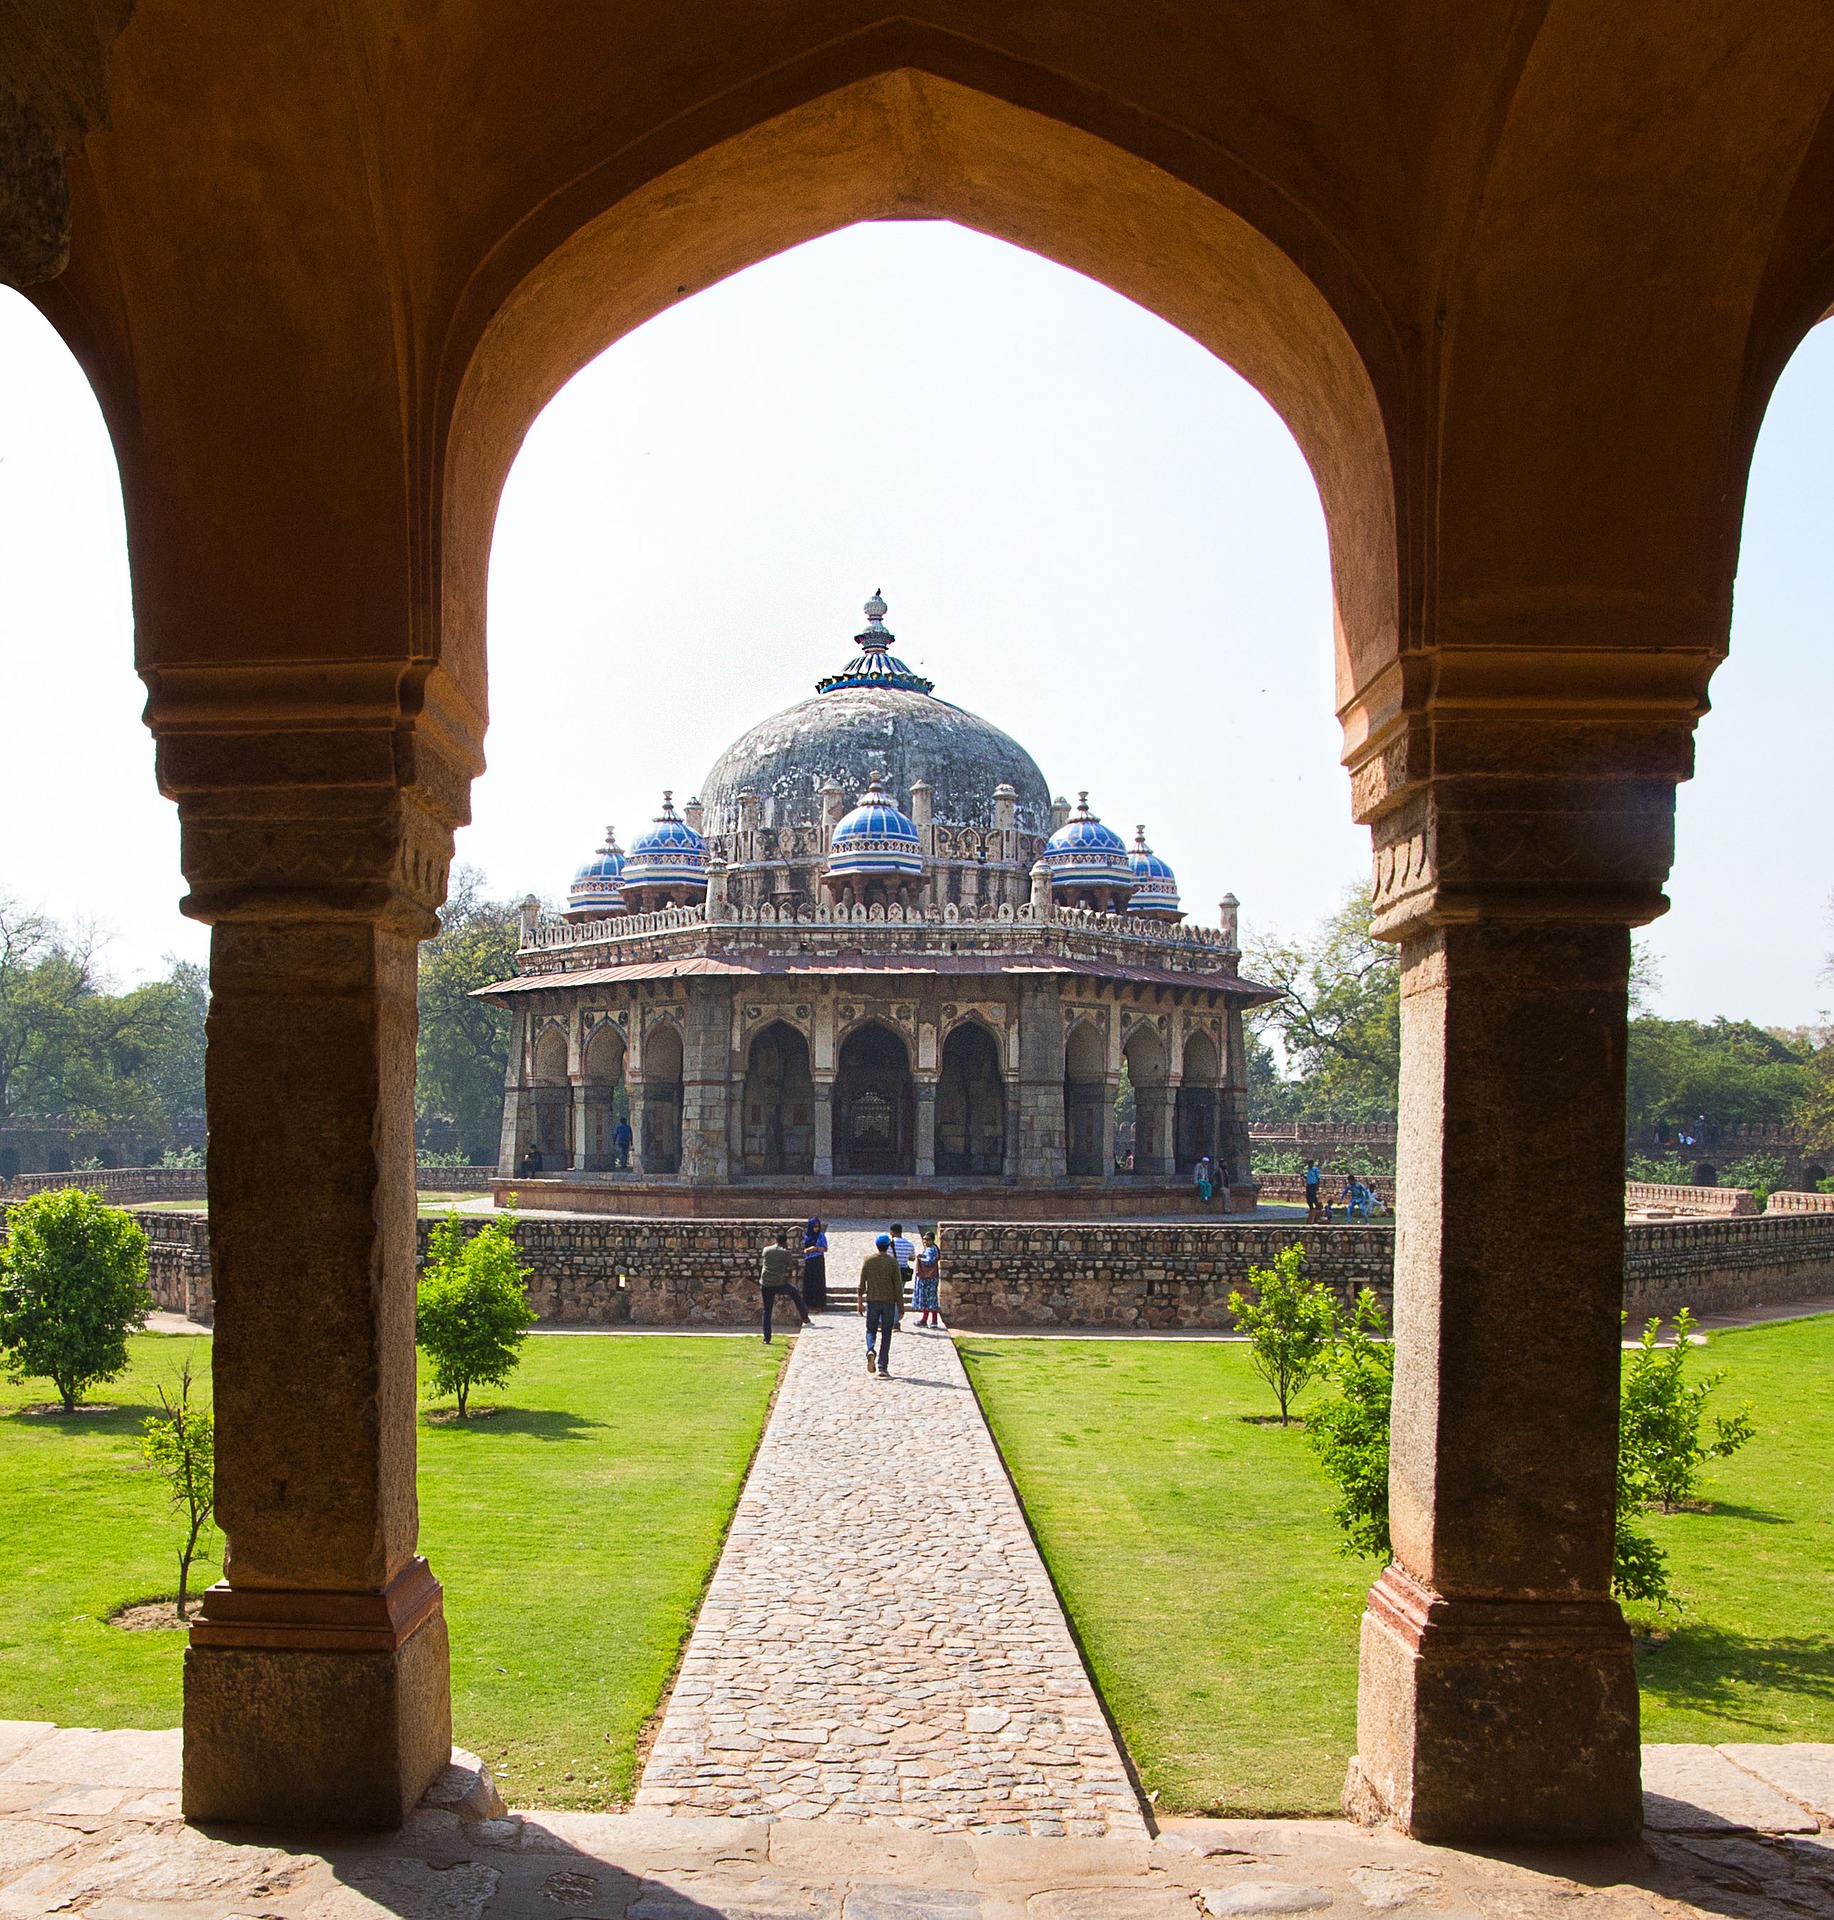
<point x="814" y="1262"/>
<point x="774" y="1278"/>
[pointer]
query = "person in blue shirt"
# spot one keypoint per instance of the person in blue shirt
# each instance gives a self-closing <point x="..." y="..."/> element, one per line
<point x="1313" y="1211"/>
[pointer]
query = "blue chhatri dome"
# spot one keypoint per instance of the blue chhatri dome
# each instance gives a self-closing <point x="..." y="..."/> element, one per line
<point x="595" y="887"/>
<point x="1155" y="884"/>
<point x="875" y="665"/>
<point x="876" y="838"/>
<point x="669" y="853"/>
<point x="1083" y="852"/>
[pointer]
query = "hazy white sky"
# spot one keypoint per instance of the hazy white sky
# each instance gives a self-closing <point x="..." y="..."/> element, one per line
<point x="1088" y="529"/>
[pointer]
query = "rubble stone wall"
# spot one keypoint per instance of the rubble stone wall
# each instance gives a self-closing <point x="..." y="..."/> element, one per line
<point x="1714" y="1266"/>
<point x="178" y="1263"/>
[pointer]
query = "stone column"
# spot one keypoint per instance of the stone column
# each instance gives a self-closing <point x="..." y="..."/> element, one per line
<point x="513" y="1133"/>
<point x="579" y="1124"/>
<point x="1153" y="1131"/>
<point x="706" y="1084"/>
<point x="316" y="1684"/>
<point x="1498" y="1697"/>
<point x="1038" y="1093"/>
<point x="824" y="1126"/>
<point x="1111" y="1090"/>
<point x="633" y="1092"/>
<point x="924" y="1164"/>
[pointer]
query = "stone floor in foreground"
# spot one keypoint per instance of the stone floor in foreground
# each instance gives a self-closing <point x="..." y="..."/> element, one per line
<point x="90" y="1828"/>
<point x="880" y="1638"/>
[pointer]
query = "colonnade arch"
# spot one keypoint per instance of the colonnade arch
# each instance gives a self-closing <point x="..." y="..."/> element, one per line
<point x="552" y="1097"/>
<point x="659" y="1134"/>
<point x="970" y="1103"/>
<point x="875" y="1121"/>
<point x="1149" y="1073"/>
<point x="1088" y="1102"/>
<point x="1198" y="1106"/>
<point x="778" y="1115"/>
<point x="1515" y="311"/>
<point x="602" y="1098"/>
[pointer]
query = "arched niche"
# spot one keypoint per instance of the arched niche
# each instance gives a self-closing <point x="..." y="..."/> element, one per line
<point x="970" y="1105"/>
<point x="778" y="1118"/>
<point x="874" y="1104"/>
<point x="606" y="1102"/>
<point x="1085" y="1095"/>
<point x="660" y="1143"/>
<point x="551" y="1101"/>
<point x="1197" y="1113"/>
<point x="1149" y="1074"/>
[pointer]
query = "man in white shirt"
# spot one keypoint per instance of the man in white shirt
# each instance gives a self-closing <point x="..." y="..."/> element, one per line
<point x="904" y="1251"/>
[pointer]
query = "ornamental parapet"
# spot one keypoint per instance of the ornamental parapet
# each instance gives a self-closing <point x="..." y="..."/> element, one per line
<point x="1065" y="933"/>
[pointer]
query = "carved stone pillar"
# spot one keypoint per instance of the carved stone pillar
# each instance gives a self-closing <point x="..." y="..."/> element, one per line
<point x="1498" y="1697"/>
<point x="1111" y="1089"/>
<point x="706" y="1085"/>
<point x="1153" y="1131"/>
<point x="824" y="1126"/>
<point x="580" y="1130"/>
<point x="513" y="1135"/>
<point x="1039" y="1093"/>
<point x="924" y="1167"/>
<point x="634" y="1093"/>
<point x="316" y="1683"/>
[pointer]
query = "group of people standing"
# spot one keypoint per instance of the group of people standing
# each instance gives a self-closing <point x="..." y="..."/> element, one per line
<point x="897" y="1269"/>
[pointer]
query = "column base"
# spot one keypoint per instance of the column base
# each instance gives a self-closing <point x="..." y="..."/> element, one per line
<point x="317" y="1709"/>
<point x="1495" y="1719"/>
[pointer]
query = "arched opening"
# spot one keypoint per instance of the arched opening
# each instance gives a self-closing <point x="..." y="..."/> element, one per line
<point x="606" y="1103"/>
<point x="778" y="1120"/>
<point x="661" y="1130"/>
<point x="874" y="1104"/>
<point x="1087" y="1109"/>
<point x="1148" y="1073"/>
<point x="1198" y="1105"/>
<point x="970" y="1104"/>
<point x="552" y="1103"/>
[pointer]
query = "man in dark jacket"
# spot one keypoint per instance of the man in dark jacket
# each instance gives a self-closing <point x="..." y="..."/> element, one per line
<point x="881" y="1294"/>
<point x="774" y="1278"/>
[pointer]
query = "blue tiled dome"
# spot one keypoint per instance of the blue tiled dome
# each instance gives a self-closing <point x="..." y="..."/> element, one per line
<point x="668" y="853"/>
<point x="1084" y="853"/>
<point x="596" y="887"/>
<point x="876" y="838"/>
<point x="1155" y="884"/>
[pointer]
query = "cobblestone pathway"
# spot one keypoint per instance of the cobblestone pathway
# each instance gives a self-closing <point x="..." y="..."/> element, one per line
<point x="880" y="1640"/>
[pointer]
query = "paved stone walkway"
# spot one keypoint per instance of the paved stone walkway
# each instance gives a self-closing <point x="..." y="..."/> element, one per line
<point x="880" y="1639"/>
<point x="90" y="1830"/>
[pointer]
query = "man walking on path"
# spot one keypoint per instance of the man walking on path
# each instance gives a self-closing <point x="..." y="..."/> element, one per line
<point x="881" y="1292"/>
<point x="774" y="1278"/>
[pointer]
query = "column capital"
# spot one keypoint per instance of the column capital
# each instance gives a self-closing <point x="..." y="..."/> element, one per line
<point x="313" y="790"/>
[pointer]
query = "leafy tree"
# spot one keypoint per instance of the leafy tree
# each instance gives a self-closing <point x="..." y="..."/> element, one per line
<point x="473" y="1308"/>
<point x="1350" y="1434"/>
<point x="1338" y="1019"/>
<point x="1727" y="1072"/>
<point x="1289" y="1324"/>
<point x="180" y="1444"/>
<point x="464" y="1043"/>
<point x="72" y="1288"/>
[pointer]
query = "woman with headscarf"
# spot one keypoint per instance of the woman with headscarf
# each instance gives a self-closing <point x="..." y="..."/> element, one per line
<point x="814" y="1263"/>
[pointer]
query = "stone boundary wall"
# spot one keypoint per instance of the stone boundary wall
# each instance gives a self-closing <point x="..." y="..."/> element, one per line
<point x="1716" y="1266"/>
<point x="612" y="1271"/>
<point x="1800" y="1203"/>
<point x="178" y="1264"/>
<point x="607" y="1271"/>
<point x="123" y="1185"/>
<point x="999" y="1274"/>
<point x="1714" y="1202"/>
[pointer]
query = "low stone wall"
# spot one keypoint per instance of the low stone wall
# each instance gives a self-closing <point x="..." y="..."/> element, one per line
<point x="999" y="1274"/>
<point x="663" y="1197"/>
<point x="1799" y="1203"/>
<point x="436" y="1179"/>
<point x="120" y="1186"/>
<point x="610" y="1271"/>
<point x="178" y="1264"/>
<point x="1642" y="1196"/>
<point x="1715" y="1266"/>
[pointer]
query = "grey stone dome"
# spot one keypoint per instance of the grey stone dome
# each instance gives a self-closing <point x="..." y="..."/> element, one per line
<point x="874" y="717"/>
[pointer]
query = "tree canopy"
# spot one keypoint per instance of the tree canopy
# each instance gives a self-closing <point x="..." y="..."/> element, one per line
<point x="464" y="1043"/>
<point x="73" y="1050"/>
<point x="1725" y="1072"/>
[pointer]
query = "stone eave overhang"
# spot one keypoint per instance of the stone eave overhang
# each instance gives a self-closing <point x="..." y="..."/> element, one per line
<point x="764" y="966"/>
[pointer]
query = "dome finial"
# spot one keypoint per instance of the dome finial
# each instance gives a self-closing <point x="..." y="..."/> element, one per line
<point x="875" y="609"/>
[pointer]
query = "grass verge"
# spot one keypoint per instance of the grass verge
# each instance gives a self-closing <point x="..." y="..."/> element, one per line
<point x="574" y="1530"/>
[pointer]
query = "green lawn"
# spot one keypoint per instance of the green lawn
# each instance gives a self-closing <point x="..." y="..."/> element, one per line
<point x="1194" y="1552"/>
<point x="574" y="1531"/>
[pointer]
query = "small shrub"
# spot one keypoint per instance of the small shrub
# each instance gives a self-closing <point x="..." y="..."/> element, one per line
<point x="180" y="1444"/>
<point x="1662" y="1415"/>
<point x="72" y="1288"/>
<point x="1350" y="1434"/>
<point x="473" y="1307"/>
<point x="1288" y="1324"/>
